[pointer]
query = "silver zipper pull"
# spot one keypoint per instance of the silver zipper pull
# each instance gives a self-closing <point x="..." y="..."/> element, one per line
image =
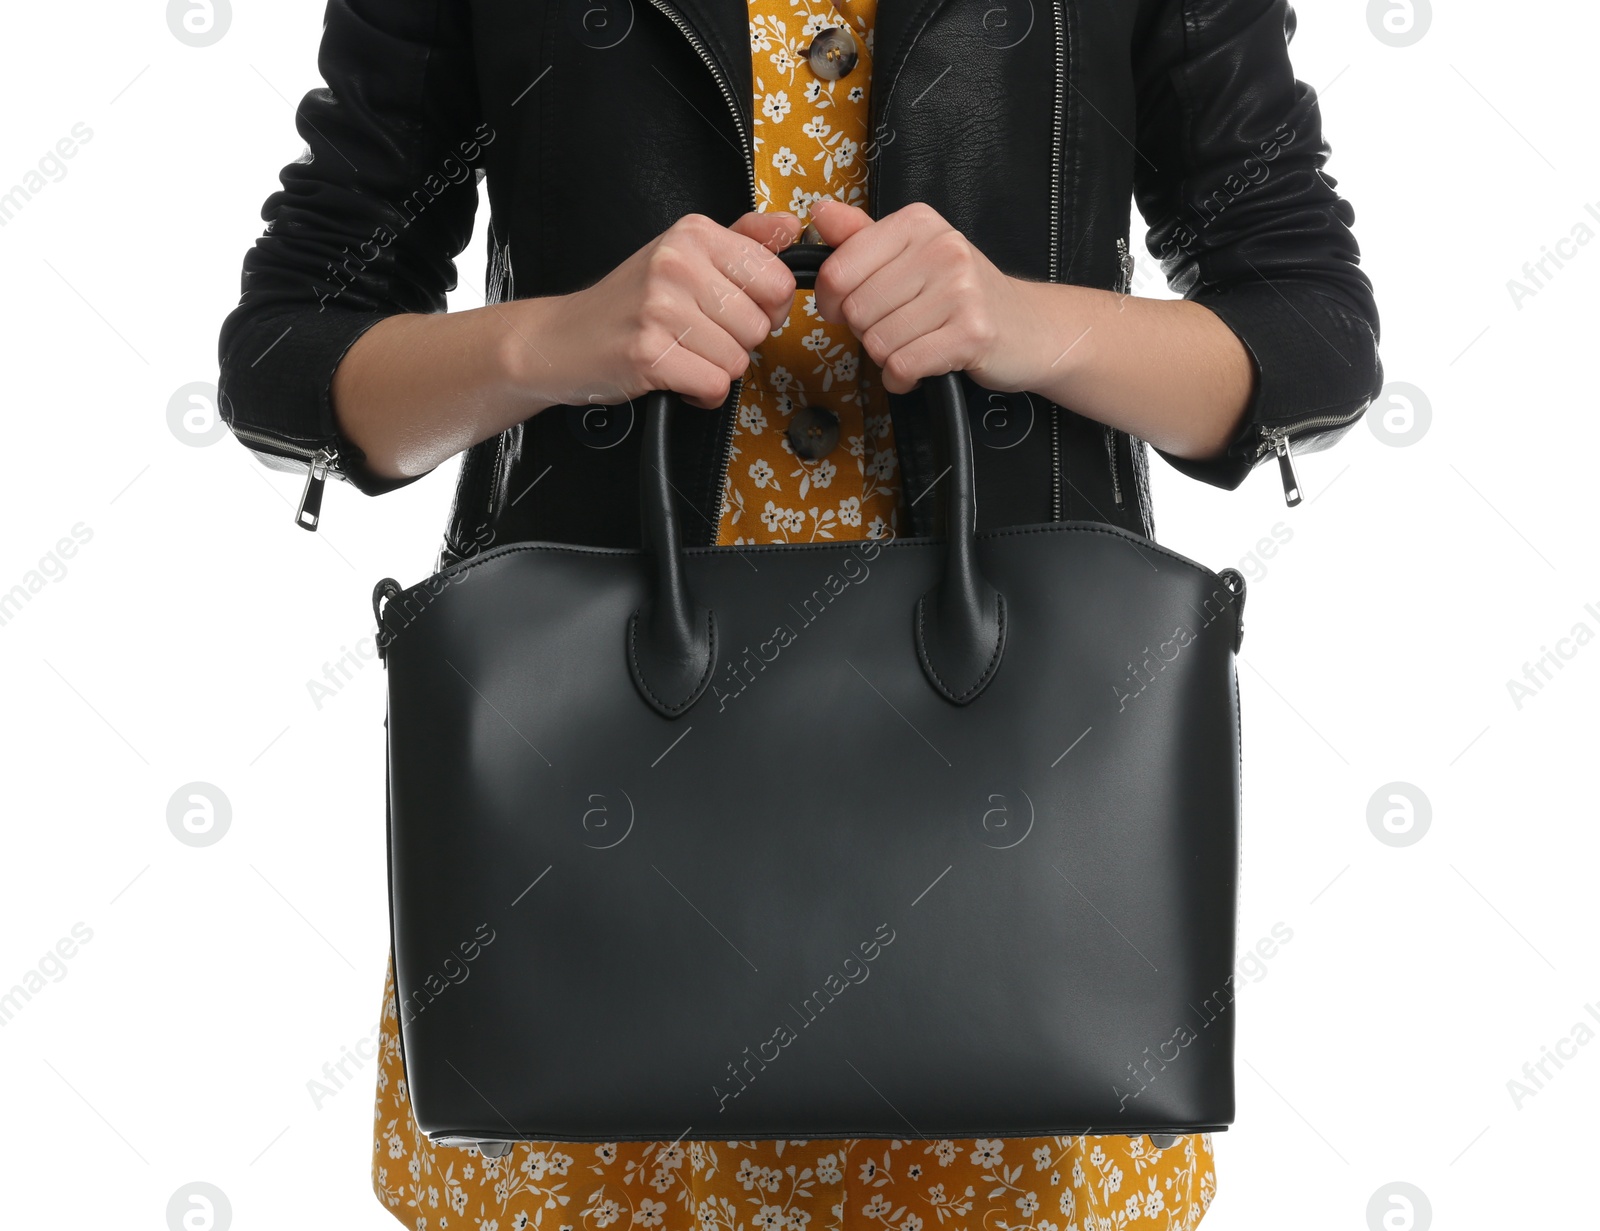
<point x="1291" y="481"/>
<point x="310" y="509"/>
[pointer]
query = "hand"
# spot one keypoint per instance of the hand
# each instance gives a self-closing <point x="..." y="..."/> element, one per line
<point x="682" y="313"/>
<point x="923" y="300"/>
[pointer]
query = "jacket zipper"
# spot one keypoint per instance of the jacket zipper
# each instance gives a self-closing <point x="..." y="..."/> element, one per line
<point x="725" y="460"/>
<point x="1055" y="470"/>
<point x="321" y="461"/>
<point x="1124" y="267"/>
<point x="1055" y="240"/>
<point x="309" y="512"/>
<point x="1276" y="440"/>
<point x="1111" y="454"/>
<point x="1124" y="286"/>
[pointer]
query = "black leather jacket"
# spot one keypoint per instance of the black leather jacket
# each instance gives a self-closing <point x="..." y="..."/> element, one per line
<point x="598" y="123"/>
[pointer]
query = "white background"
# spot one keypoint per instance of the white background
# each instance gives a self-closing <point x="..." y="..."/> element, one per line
<point x="1414" y="583"/>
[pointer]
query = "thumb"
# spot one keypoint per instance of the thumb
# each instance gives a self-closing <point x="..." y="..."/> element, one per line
<point x="773" y="231"/>
<point x="836" y="221"/>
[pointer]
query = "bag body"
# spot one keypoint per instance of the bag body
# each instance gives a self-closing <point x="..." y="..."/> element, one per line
<point x="933" y="836"/>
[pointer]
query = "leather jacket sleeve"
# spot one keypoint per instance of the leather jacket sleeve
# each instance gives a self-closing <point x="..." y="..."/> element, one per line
<point x="367" y="224"/>
<point x="1229" y="176"/>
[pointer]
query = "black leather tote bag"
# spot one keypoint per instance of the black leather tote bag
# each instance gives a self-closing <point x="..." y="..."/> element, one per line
<point x="934" y="837"/>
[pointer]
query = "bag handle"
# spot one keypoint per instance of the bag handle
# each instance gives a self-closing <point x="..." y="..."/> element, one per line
<point x="959" y="625"/>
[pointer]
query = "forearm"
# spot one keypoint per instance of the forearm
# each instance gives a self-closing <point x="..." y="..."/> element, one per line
<point x="1167" y="371"/>
<point x="416" y="389"/>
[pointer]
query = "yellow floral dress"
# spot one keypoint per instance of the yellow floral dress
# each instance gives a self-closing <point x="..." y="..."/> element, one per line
<point x="809" y="142"/>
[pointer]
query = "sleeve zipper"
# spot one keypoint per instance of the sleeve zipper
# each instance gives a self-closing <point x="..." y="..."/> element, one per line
<point x="1276" y="440"/>
<point x="309" y="511"/>
<point x="320" y="461"/>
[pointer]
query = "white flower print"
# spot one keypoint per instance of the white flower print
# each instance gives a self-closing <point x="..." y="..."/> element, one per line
<point x="844" y="154"/>
<point x="800" y="201"/>
<point x="784" y="61"/>
<point x="751" y="419"/>
<point x="828" y="1165"/>
<point x="775" y="105"/>
<point x="817" y="341"/>
<point x="761" y="472"/>
<point x="985" y="1153"/>
<point x="787" y="161"/>
<point x="649" y="1213"/>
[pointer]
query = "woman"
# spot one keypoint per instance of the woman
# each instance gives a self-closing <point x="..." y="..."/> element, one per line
<point x="972" y="167"/>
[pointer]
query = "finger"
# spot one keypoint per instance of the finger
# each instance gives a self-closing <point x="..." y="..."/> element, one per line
<point x="774" y="231"/>
<point x="928" y="354"/>
<point x="857" y="258"/>
<point x="758" y="271"/>
<point x="692" y="377"/>
<point x="729" y="305"/>
<point x="836" y="220"/>
<point x="698" y="334"/>
<point x="877" y="307"/>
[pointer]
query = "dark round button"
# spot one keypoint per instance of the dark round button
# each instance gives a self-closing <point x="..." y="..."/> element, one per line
<point x="813" y="432"/>
<point x="832" y="53"/>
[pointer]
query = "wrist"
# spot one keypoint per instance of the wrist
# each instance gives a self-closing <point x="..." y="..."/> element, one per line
<point x="1035" y="349"/>
<point x="1057" y="337"/>
<point x="527" y="350"/>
